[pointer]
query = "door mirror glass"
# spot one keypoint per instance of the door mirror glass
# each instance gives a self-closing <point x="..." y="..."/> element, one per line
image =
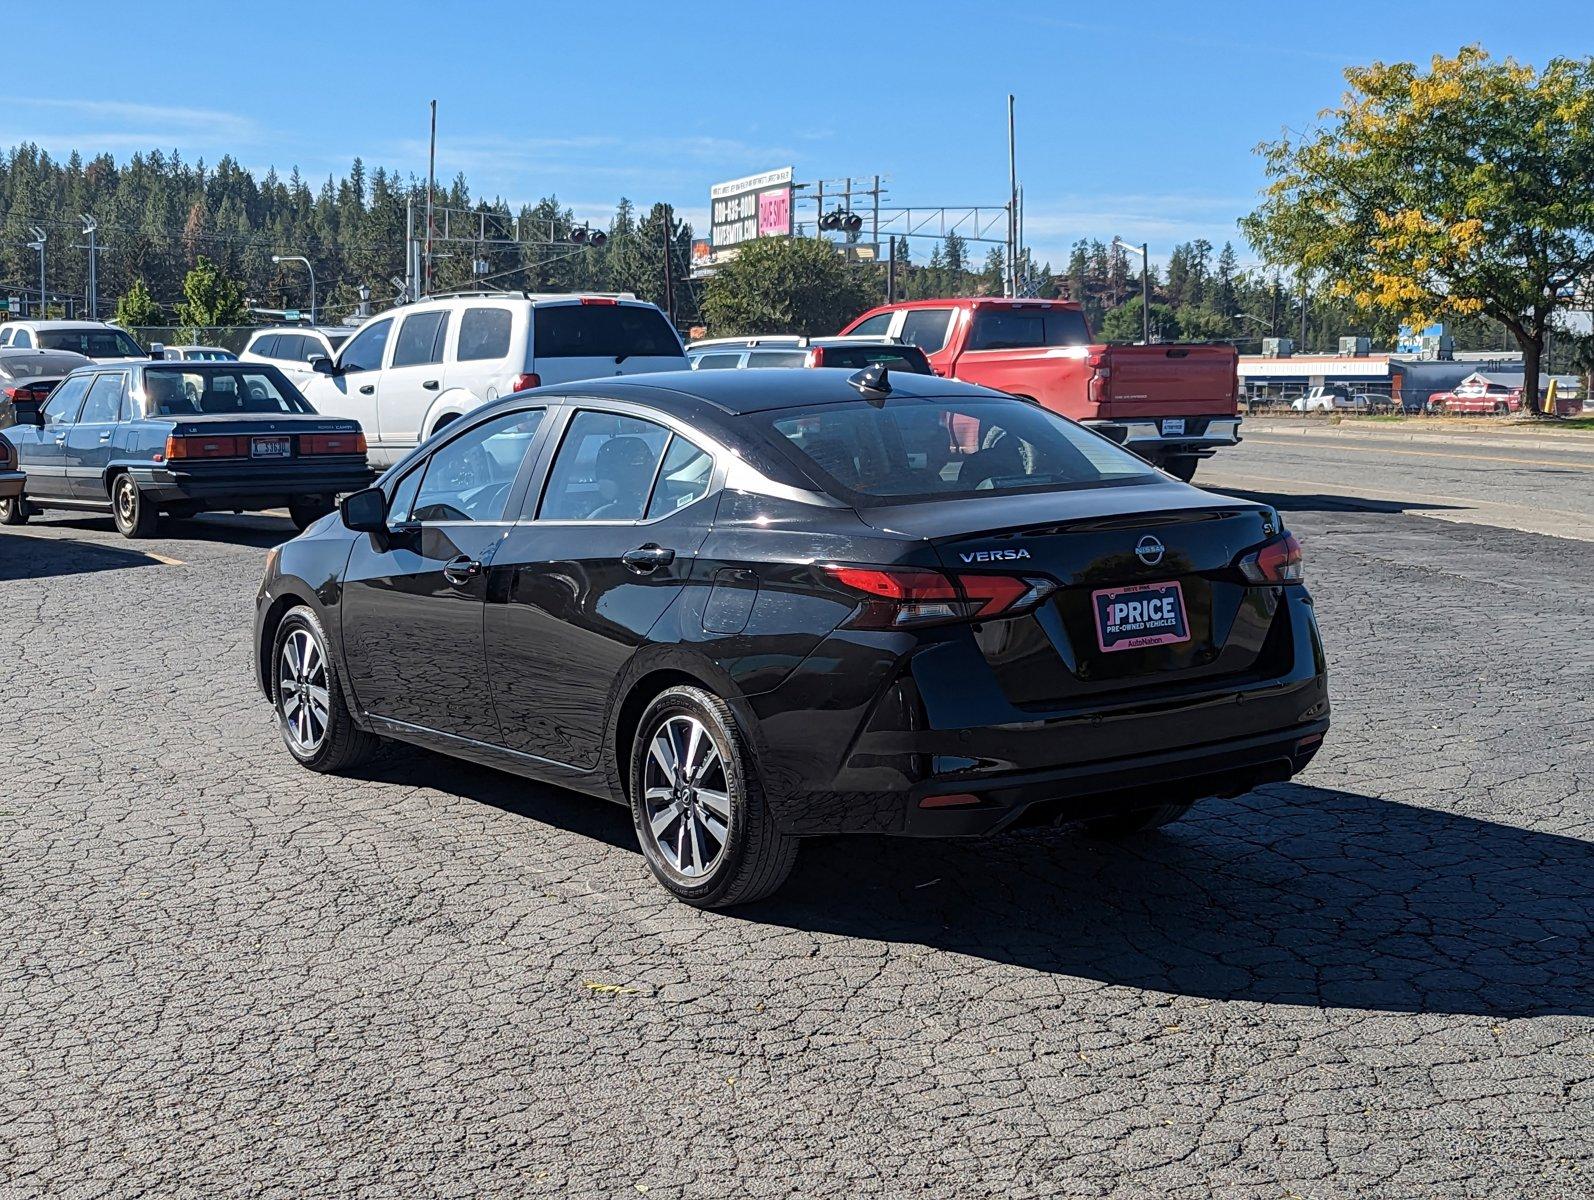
<point x="365" y="512"/>
<point x="322" y="365"/>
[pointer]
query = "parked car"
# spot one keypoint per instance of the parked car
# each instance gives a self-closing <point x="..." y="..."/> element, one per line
<point x="848" y="353"/>
<point x="290" y="348"/>
<point x="757" y="609"/>
<point x="12" y="482"/>
<point x="27" y="377"/>
<point x="1171" y="404"/>
<point x="194" y="353"/>
<point x="183" y="438"/>
<point x="1332" y="398"/>
<point x="406" y="374"/>
<point x="98" y="340"/>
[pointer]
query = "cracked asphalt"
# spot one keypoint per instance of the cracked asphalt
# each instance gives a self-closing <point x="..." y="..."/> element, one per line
<point x="222" y="976"/>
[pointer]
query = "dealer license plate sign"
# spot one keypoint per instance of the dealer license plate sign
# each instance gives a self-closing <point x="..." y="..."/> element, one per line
<point x="1148" y="614"/>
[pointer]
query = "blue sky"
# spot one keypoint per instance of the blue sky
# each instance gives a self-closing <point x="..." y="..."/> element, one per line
<point x="1136" y="120"/>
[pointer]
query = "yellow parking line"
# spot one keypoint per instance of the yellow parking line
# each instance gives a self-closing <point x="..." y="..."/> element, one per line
<point x="1531" y="462"/>
<point x="161" y="558"/>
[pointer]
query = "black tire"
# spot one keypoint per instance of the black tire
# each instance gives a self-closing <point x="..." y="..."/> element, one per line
<point x="341" y="743"/>
<point x="305" y="513"/>
<point x="15" y="512"/>
<point x="1182" y="466"/>
<point x="1137" y="820"/>
<point x="135" y="516"/>
<point x="754" y="857"/>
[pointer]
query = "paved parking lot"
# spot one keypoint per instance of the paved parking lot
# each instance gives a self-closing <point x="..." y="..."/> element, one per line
<point x="223" y="976"/>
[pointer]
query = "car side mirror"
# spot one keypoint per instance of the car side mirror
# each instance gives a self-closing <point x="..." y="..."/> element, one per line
<point x="365" y="511"/>
<point x="322" y="365"/>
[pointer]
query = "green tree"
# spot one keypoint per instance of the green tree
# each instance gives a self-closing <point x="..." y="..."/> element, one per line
<point x="784" y="285"/>
<point x="1122" y="325"/>
<point x="138" y="307"/>
<point x="210" y="299"/>
<point x="1463" y="189"/>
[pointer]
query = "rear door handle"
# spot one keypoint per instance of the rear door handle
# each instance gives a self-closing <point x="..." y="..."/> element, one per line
<point x="106" y="436"/>
<point x="461" y="569"/>
<point x="430" y="385"/>
<point x="59" y="438"/>
<point x="646" y="559"/>
<point x="367" y="389"/>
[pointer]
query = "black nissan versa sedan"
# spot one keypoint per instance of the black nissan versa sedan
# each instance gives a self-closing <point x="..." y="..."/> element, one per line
<point x="758" y="606"/>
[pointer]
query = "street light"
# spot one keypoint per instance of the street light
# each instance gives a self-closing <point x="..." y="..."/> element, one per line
<point x="1145" y="287"/>
<point x="40" y="237"/>
<point x="299" y="258"/>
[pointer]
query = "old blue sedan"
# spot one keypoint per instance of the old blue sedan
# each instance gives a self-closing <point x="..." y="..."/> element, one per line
<point x="181" y="438"/>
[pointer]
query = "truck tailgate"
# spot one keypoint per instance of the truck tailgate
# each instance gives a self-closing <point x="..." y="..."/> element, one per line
<point x="1169" y="381"/>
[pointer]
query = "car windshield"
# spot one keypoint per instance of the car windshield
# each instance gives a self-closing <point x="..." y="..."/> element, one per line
<point x="615" y="331"/>
<point x="894" y="358"/>
<point x="195" y="388"/>
<point x="909" y="449"/>
<point x="96" y="343"/>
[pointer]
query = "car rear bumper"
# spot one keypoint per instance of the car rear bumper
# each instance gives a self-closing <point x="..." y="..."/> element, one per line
<point x="253" y="487"/>
<point x="1202" y="437"/>
<point x="11" y="484"/>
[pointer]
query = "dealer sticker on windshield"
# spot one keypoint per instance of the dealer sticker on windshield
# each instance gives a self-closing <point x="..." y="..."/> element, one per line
<point x="1148" y="614"/>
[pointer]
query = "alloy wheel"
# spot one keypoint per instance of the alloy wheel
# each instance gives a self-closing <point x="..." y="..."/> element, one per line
<point x="126" y="500"/>
<point x="303" y="702"/>
<point x="686" y="797"/>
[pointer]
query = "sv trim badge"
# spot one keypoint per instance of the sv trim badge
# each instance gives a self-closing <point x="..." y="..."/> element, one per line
<point x="993" y="555"/>
<point x="1149" y="550"/>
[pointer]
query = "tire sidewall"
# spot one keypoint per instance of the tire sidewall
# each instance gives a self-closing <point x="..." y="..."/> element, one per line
<point x="13" y="511"/>
<point x="138" y="526"/>
<point x="694" y="702"/>
<point x="305" y="618"/>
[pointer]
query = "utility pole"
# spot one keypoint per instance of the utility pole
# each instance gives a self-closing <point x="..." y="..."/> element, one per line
<point x="412" y="257"/>
<point x="90" y="227"/>
<point x="1301" y="348"/>
<point x="1012" y="204"/>
<point x="669" y="275"/>
<point x="39" y="238"/>
<point x="431" y="185"/>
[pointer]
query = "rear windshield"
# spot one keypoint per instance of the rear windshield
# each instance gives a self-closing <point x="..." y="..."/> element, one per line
<point x="894" y="358"/>
<point x="909" y="449"/>
<point x="1020" y="328"/>
<point x="617" y="331"/>
<point x="194" y="389"/>
<point x="96" y="343"/>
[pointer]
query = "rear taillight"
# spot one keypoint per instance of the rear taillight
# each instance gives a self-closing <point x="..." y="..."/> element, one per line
<point x="1277" y="561"/>
<point x="524" y="383"/>
<point x="26" y="394"/>
<point x="1099" y="387"/>
<point x="898" y="597"/>
<point x="816" y="357"/>
<point x="198" y="446"/>
<point x="332" y="443"/>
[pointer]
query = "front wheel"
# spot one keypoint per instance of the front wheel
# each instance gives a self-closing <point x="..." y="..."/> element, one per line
<point x="313" y="719"/>
<point x="14" y="512"/>
<point x="135" y="516"/>
<point x="1138" y="820"/>
<point x="1182" y="467"/>
<point x="700" y="814"/>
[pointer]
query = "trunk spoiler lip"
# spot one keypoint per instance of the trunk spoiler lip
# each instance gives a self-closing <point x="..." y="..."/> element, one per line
<point x="1104" y="523"/>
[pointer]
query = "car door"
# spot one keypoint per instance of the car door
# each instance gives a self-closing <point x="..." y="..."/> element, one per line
<point x="414" y="378"/>
<point x="89" y="441"/>
<point x="582" y="579"/>
<point x="42" y="454"/>
<point x="354" y="389"/>
<point x="412" y="601"/>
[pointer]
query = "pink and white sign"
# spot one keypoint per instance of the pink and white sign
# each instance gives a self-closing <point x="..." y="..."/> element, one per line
<point x="774" y="213"/>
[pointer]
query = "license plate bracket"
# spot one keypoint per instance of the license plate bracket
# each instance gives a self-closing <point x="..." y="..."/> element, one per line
<point x="271" y="447"/>
<point x="1145" y="614"/>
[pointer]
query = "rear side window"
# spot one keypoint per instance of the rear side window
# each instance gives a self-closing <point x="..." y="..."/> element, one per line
<point x="614" y="331"/>
<point x="420" y="339"/>
<point x="925" y="328"/>
<point x="877" y="326"/>
<point x="604" y="469"/>
<point x="265" y="346"/>
<point x="24" y="340"/>
<point x="717" y="362"/>
<point x="909" y="359"/>
<point x="682" y="479"/>
<point x="105" y="398"/>
<point x="777" y="358"/>
<point x="1021" y="328"/>
<point x="483" y="334"/>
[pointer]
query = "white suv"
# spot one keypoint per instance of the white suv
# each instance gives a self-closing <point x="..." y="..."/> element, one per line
<point x="98" y="340"/>
<point x="290" y="348"/>
<point x="407" y="373"/>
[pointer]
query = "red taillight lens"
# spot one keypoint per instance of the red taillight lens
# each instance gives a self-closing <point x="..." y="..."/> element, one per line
<point x="332" y="443"/>
<point x="26" y="394"/>
<point x="1277" y="561"/>
<point x="524" y="383"/>
<point x="193" y="446"/>
<point x="598" y="300"/>
<point x="899" y="597"/>
<point x="1099" y="386"/>
<point x="816" y="357"/>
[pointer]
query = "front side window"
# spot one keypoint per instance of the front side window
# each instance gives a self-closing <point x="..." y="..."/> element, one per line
<point x="63" y="405"/>
<point x="469" y="478"/>
<point x="365" y="350"/>
<point x="617" y="331"/>
<point x="105" y="398"/>
<point x="1026" y="327"/>
<point x="604" y="469"/>
<point x="420" y="339"/>
<point x="717" y="362"/>
<point x="926" y="328"/>
<point x="919" y="449"/>
<point x="483" y="334"/>
<point x="96" y="343"/>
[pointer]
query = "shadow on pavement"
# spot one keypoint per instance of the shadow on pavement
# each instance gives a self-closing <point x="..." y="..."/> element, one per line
<point x="239" y="529"/>
<point x="1331" y="502"/>
<point x="24" y="557"/>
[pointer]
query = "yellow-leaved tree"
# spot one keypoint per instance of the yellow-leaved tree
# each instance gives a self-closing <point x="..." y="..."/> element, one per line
<point x="1466" y="188"/>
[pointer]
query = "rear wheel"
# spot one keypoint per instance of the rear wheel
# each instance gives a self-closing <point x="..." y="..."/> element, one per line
<point x="135" y="516"/>
<point x="14" y="512"/>
<point x="308" y="511"/>
<point x="700" y="814"/>
<point x="1182" y="466"/>
<point x="1137" y="820"/>
<point x="314" y="721"/>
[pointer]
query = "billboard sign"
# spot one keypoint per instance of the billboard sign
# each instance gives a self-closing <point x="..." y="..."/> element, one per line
<point x="754" y="206"/>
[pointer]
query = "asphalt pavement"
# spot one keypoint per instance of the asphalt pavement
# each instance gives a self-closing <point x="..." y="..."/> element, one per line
<point x="222" y="976"/>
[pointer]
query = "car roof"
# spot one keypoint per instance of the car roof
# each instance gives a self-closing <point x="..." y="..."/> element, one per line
<point x="740" y="392"/>
<point x="60" y="324"/>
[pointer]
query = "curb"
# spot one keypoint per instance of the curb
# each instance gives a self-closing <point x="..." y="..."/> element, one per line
<point x="1571" y="442"/>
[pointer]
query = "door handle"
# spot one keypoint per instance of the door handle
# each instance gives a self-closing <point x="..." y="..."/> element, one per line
<point x="59" y="438"/>
<point x="461" y="569"/>
<point x="367" y="388"/>
<point x="430" y="385"/>
<point x="646" y="559"/>
<point x="106" y="436"/>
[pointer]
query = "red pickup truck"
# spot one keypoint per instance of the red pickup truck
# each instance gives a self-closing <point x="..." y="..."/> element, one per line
<point x="1171" y="404"/>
